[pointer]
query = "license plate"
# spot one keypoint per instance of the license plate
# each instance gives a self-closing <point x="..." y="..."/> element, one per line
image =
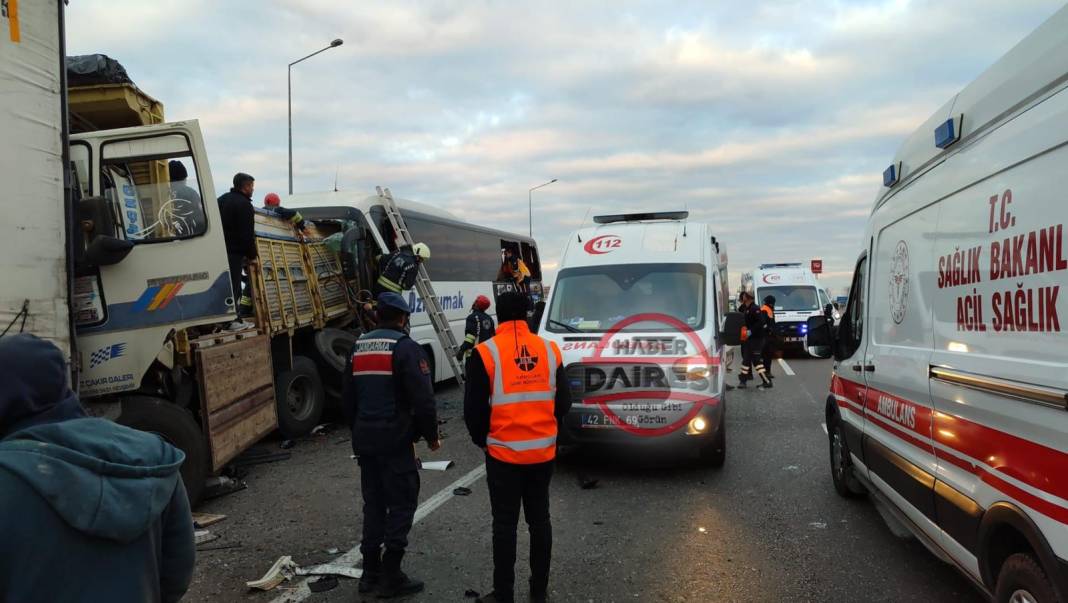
<point x="596" y="421"/>
<point x="794" y="339"/>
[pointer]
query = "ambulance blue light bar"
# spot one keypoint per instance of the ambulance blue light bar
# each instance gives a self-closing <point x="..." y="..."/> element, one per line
<point x="657" y="215"/>
<point x="947" y="133"/>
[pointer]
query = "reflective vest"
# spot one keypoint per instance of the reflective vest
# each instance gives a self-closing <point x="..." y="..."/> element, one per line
<point x="372" y="374"/>
<point x="522" y="371"/>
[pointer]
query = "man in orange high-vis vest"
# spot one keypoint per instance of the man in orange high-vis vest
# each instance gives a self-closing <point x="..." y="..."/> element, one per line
<point x="515" y="394"/>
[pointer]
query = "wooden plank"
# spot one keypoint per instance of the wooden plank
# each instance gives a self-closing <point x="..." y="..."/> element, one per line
<point x="231" y="371"/>
<point x="230" y="442"/>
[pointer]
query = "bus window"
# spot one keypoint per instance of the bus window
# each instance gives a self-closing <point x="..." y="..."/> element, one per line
<point x="530" y="256"/>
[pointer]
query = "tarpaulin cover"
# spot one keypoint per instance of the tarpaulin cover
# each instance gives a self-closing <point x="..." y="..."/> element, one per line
<point x="93" y="69"/>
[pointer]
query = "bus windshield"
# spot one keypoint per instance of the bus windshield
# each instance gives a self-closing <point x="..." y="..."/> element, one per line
<point x="791" y="298"/>
<point x="593" y="299"/>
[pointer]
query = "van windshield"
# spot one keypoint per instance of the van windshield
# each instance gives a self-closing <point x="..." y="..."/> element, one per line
<point x="791" y="299"/>
<point x="593" y="299"/>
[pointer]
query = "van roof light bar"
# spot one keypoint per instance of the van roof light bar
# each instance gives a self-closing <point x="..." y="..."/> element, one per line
<point x="781" y="265"/>
<point x="656" y="215"/>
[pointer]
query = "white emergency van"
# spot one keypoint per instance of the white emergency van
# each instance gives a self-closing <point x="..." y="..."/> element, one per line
<point x="798" y="296"/>
<point x="636" y="312"/>
<point x="949" y="397"/>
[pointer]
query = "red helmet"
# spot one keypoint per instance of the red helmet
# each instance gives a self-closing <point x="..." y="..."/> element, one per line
<point x="272" y="200"/>
<point x="482" y="303"/>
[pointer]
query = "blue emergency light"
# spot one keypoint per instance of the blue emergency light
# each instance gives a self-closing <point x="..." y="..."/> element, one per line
<point x="946" y="134"/>
<point x="890" y="176"/>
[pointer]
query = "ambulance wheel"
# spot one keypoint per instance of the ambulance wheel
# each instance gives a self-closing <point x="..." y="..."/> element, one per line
<point x="1022" y="580"/>
<point x="845" y="483"/>
<point x="714" y="454"/>
<point x="177" y="426"/>
<point x="299" y="397"/>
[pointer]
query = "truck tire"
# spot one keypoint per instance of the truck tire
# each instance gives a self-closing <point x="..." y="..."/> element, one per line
<point x="1022" y="579"/>
<point x="177" y="426"/>
<point x="300" y="398"/>
<point x="332" y="347"/>
<point x="714" y="454"/>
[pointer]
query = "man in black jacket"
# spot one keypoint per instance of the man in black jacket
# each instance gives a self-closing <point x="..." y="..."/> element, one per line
<point x="239" y="230"/>
<point x="389" y="404"/>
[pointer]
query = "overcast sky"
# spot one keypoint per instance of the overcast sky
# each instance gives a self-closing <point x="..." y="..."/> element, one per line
<point x="771" y="120"/>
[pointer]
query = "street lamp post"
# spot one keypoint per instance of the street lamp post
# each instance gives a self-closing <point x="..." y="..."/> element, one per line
<point x="289" y="92"/>
<point x="530" y="207"/>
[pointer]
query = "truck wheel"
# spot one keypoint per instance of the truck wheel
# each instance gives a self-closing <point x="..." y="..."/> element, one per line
<point x="1022" y="580"/>
<point x="333" y="346"/>
<point x="714" y="454"/>
<point x="845" y="483"/>
<point x="300" y="398"/>
<point x="177" y="426"/>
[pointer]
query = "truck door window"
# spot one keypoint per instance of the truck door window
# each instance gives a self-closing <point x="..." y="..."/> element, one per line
<point x="851" y="327"/>
<point x="156" y="195"/>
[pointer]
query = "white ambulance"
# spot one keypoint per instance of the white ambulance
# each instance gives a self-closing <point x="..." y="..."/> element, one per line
<point x="636" y="311"/>
<point x="798" y="296"/>
<point x="949" y="398"/>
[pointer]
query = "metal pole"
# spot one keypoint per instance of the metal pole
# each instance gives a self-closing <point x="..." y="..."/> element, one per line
<point x="530" y="210"/>
<point x="289" y="93"/>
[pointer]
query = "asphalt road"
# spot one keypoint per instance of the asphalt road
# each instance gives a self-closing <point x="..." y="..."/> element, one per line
<point x="766" y="527"/>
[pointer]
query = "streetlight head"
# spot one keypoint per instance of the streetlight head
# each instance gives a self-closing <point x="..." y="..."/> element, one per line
<point x="553" y="180"/>
<point x="336" y="43"/>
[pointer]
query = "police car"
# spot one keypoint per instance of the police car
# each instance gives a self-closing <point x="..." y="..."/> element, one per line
<point x="949" y="398"/>
<point x="636" y="312"/>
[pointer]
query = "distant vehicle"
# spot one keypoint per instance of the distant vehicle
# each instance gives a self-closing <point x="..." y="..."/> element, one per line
<point x="636" y="311"/>
<point x="949" y="399"/>
<point x="798" y="295"/>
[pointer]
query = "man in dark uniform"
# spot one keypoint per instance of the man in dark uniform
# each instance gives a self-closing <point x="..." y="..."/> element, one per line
<point x="767" y="354"/>
<point x="389" y="403"/>
<point x="189" y="208"/>
<point x="397" y="271"/>
<point x="239" y="230"/>
<point x="753" y="342"/>
<point x="479" y="327"/>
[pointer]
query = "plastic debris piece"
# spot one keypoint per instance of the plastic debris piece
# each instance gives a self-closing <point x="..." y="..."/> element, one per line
<point x="202" y="536"/>
<point x="461" y="491"/>
<point x="282" y="570"/>
<point x="322" y="584"/>
<point x="330" y="569"/>
<point x="321" y="429"/>
<point x="332" y="550"/>
<point x="819" y="525"/>
<point x="286" y="444"/>
<point x="436" y="465"/>
<point x="203" y="520"/>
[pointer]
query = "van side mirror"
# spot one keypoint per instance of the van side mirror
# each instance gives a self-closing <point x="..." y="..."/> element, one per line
<point x="819" y="338"/>
<point x="828" y="310"/>
<point x="733" y="323"/>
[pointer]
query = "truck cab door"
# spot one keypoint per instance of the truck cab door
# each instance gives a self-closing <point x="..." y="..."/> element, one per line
<point x="156" y="182"/>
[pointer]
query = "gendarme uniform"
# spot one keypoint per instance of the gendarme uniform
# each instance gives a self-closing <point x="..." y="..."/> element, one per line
<point x="389" y="401"/>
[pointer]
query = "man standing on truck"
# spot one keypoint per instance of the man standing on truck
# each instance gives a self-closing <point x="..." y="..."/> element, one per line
<point x="272" y="202"/>
<point x="92" y="510"/>
<point x="515" y="394"/>
<point x="239" y="230"/>
<point x="389" y="404"/>
<point x="397" y="271"/>
<point x="479" y="327"/>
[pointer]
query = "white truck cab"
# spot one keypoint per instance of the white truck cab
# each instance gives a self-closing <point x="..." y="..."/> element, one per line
<point x="636" y="312"/>
<point x="949" y="397"/>
<point x="798" y="296"/>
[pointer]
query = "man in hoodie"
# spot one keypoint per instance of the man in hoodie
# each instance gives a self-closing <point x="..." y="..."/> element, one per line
<point x="239" y="230"/>
<point x="91" y="510"/>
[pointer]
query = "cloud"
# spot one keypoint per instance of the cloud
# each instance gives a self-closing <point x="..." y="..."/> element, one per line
<point x="770" y="120"/>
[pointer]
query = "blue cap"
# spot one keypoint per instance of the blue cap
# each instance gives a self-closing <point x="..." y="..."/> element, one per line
<point x="394" y="300"/>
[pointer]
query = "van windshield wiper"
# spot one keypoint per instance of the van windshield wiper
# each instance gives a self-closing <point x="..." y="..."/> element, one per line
<point x="566" y="326"/>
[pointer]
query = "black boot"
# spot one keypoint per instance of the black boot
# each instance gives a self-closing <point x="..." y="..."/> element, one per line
<point x="394" y="582"/>
<point x="372" y="571"/>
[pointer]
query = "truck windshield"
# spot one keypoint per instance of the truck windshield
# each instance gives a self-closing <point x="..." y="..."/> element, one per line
<point x="593" y="299"/>
<point x="790" y="298"/>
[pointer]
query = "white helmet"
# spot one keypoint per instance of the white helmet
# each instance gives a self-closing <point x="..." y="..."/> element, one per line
<point x="421" y="250"/>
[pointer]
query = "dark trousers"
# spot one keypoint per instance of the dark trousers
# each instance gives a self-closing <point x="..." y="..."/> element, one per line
<point x="390" y="486"/>
<point x="767" y="354"/>
<point x="237" y="281"/>
<point x="510" y="485"/>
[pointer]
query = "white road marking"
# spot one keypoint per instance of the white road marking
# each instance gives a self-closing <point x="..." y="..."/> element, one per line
<point x="301" y="590"/>
<point x="824" y="426"/>
<point x="786" y="368"/>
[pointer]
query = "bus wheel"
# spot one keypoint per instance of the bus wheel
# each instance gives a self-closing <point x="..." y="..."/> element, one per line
<point x="177" y="426"/>
<point x="299" y="397"/>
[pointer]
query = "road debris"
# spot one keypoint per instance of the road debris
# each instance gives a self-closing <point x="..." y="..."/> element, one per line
<point x="219" y="547"/>
<point x="330" y="569"/>
<point x="322" y="429"/>
<point x="461" y="491"/>
<point x="259" y="457"/>
<point x="332" y="551"/>
<point x="322" y="584"/>
<point x="202" y="536"/>
<point x="435" y="465"/>
<point x="282" y="570"/>
<point x="287" y="444"/>
<point x="221" y="486"/>
<point x="819" y="525"/>
<point x="203" y="520"/>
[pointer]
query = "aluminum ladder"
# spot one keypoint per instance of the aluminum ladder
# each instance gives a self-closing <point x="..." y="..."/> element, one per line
<point x="425" y="288"/>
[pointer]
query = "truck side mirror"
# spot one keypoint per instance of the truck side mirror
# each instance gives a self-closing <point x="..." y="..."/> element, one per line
<point x="819" y="337"/>
<point x="96" y="223"/>
<point x="733" y="323"/>
<point x="107" y="250"/>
